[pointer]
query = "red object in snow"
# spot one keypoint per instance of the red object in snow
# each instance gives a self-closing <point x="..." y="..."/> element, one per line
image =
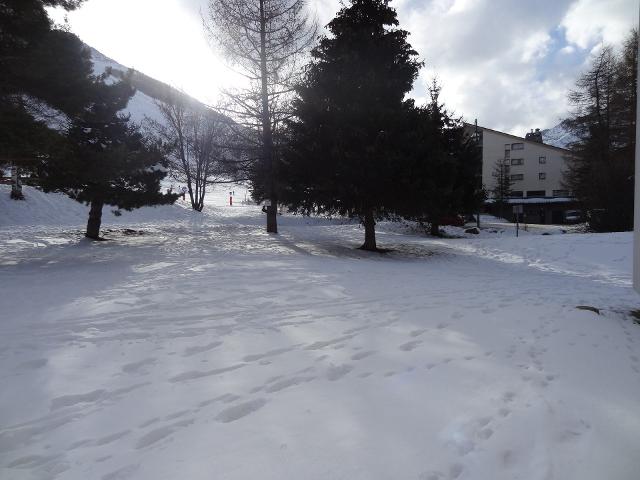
<point x="230" y="201"/>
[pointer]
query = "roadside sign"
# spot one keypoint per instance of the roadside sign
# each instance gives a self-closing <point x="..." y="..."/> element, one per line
<point x="517" y="211"/>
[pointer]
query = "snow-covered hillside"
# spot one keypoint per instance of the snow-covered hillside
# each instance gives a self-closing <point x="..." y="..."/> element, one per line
<point x="204" y="348"/>
<point x="558" y="136"/>
<point x="40" y="209"/>
<point x="148" y="90"/>
<point x="141" y="105"/>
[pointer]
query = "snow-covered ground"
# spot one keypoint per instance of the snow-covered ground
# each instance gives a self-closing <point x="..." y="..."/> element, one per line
<point x="206" y="349"/>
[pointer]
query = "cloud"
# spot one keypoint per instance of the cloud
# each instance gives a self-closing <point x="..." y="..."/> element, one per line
<point x="510" y="64"/>
<point x="589" y="22"/>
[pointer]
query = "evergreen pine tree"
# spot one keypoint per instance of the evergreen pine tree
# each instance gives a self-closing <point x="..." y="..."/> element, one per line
<point x="43" y="72"/>
<point x="601" y="169"/>
<point x="344" y="151"/>
<point x="104" y="159"/>
<point x="442" y="178"/>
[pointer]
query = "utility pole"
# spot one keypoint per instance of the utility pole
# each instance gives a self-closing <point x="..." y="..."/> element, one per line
<point x="476" y="136"/>
<point x="636" y="201"/>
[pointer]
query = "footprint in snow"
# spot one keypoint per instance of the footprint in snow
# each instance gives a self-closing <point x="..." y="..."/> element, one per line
<point x="407" y="347"/>
<point x="161" y="433"/>
<point x="236" y="412"/>
<point x="508" y="397"/>
<point x="483" y="422"/>
<point x="69" y="400"/>
<point x="123" y="473"/>
<point x="337" y="372"/>
<point x="417" y="333"/>
<point x="504" y="412"/>
<point x="135" y="367"/>
<point x="151" y="421"/>
<point x="270" y="353"/>
<point x="286" y="383"/>
<point x="361" y="355"/>
<point x="201" y="348"/>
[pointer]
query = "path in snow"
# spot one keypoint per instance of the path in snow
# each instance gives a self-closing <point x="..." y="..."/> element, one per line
<point x="207" y="349"/>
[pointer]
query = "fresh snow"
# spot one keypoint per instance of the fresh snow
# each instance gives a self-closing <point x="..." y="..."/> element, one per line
<point x="205" y="348"/>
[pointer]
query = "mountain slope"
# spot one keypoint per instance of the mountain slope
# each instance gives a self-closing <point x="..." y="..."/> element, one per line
<point x="148" y="90"/>
<point x="559" y="136"/>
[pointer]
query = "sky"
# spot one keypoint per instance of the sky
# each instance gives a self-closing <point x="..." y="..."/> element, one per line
<point x="507" y="63"/>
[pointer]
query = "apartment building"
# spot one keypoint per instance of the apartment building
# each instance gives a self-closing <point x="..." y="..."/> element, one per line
<point x="535" y="169"/>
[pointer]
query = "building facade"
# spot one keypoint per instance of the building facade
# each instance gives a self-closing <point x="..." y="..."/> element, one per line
<point x="535" y="169"/>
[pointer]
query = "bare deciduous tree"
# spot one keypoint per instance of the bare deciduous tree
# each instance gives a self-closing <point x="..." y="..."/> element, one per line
<point x="264" y="41"/>
<point x="194" y="138"/>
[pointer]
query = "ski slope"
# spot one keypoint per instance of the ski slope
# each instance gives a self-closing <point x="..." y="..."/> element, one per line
<point x="204" y="348"/>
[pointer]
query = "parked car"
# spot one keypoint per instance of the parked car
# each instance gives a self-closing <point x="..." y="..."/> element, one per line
<point x="573" y="216"/>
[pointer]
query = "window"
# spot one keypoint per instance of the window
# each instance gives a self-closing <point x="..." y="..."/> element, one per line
<point x="517" y="161"/>
<point x="517" y="193"/>
<point x="535" y="193"/>
<point x="507" y="154"/>
<point x="517" y="146"/>
<point x="542" y="176"/>
<point x="517" y="176"/>
<point x="542" y="160"/>
<point x="561" y="193"/>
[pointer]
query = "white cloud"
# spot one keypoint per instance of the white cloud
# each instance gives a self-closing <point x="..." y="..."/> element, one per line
<point x="499" y="61"/>
<point x="593" y="21"/>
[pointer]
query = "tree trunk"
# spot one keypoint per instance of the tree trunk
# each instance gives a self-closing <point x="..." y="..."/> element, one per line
<point x="16" y="186"/>
<point x="369" y="232"/>
<point x="435" y="229"/>
<point x="272" y="218"/>
<point x="95" y="219"/>
<point x="267" y="134"/>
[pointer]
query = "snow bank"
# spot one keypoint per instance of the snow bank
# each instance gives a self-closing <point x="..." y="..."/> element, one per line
<point x="49" y="209"/>
<point x="57" y="209"/>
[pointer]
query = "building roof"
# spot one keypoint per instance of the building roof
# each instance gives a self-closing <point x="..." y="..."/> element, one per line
<point x="515" y="137"/>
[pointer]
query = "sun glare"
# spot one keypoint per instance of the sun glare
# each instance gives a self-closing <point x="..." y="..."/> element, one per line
<point x="163" y="42"/>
